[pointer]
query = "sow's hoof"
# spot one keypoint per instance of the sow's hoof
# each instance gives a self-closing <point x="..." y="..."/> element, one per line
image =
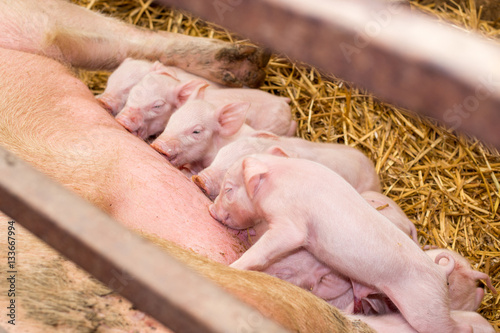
<point x="243" y="65"/>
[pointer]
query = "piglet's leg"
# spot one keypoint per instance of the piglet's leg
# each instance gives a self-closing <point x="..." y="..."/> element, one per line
<point x="273" y="244"/>
<point x="83" y="38"/>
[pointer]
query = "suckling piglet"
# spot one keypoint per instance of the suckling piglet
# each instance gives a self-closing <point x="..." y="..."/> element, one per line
<point x="160" y="93"/>
<point x="151" y="102"/>
<point x="130" y="73"/>
<point x="305" y="204"/>
<point x="196" y="132"/>
<point x="348" y="162"/>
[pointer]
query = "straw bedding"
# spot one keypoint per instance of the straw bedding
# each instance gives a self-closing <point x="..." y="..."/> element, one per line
<point x="448" y="185"/>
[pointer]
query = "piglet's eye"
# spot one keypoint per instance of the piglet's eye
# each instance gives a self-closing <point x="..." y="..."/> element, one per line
<point x="158" y="104"/>
<point x="197" y="130"/>
<point x="228" y="191"/>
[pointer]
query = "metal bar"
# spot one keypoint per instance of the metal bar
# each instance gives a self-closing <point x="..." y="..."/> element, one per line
<point x="403" y="58"/>
<point x="151" y="279"/>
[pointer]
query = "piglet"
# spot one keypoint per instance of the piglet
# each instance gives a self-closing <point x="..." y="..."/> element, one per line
<point x="161" y="92"/>
<point x="305" y="204"/>
<point x="302" y="269"/>
<point x="121" y="81"/>
<point x="462" y="279"/>
<point x="151" y="102"/>
<point x="348" y="162"/>
<point x="196" y="132"/>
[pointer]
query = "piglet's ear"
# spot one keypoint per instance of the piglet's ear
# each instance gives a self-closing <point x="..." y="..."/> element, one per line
<point x="191" y="90"/>
<point x="253" y="173"/>
<point x="278" y="151"/>
<point x="265" y="135"/>
<point x="231" y="117"/>
<point x="157" y="66"/>
<point x="160" y="68"/>
<point x="167" y="72"/>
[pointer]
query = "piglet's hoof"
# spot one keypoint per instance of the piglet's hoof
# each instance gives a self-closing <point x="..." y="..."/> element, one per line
<point x="243" y="65"/>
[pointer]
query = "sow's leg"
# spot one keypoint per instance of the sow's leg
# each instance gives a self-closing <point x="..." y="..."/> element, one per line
<point x="50" y="118"/>
<point x="82" y="38"/>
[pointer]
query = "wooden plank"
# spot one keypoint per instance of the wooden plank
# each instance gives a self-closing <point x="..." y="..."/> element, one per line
<point x="402" y="57"/>
<point x="153" y="281"/>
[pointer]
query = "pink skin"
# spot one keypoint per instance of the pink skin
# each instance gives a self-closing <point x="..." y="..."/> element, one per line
<point x="153" y="99"/>
<point x="277" y="192"/>
<point x="348" y="162"/>
<point x="64" y="132"/>
<point x="392" y="211"/>
<point x="196" y="132"/>
<point x="74" y="35"/>
<point x="464" y="292"/>
<point x="127" y="75"/>
<point x="396" y="323"/>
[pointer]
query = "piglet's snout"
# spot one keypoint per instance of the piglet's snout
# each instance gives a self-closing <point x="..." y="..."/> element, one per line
<point x="107" y="104"/>
<point x="130" y="119"/>
<point x="206" y="181"/>
<point x="168" y="147"/>
<point x="200" y="182"/>
<point x="213" y="212"/>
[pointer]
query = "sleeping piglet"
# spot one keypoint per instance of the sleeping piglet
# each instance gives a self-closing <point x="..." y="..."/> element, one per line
<point x="305" y="204"/>
<point x="161" y="92"/>
<point x="151" y="102"/>
<point x="348" y="162"/>
<point x="303" y="270"/>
